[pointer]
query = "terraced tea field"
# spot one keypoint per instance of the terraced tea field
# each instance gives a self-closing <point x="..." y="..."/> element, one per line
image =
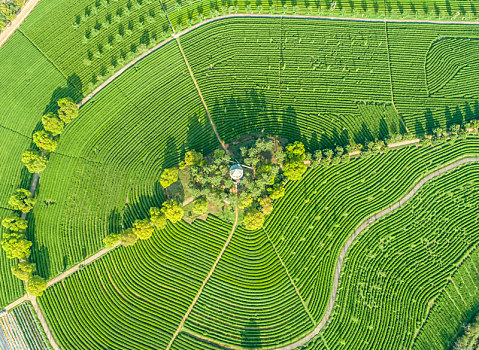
<point x="324" y="271"/>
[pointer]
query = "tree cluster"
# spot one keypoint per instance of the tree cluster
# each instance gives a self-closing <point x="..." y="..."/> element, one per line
<point x="144" y="228"/>
<point x="45" y="140"/>
<point x="9" y="11"/>
<point x="15" y="243"/>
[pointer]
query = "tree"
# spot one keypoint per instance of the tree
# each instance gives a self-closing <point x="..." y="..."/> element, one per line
<point x="266" y="205"/>
<point x="294" y="170"/>
<point x="22" y="200"/>
<point x="253" y="220"/>
<point x="193" y="158"/>
<point x="23" y="270"/>
<point x="245" y="200"/>
<point x="143" y="229"/>
<point x="111" y="240"/>
<point x="34" y="161"/>
<point x="36" y="286"/>
<point x="173" y="211"/>
<point x="15" y="245"/>
<point x="15" y="223"/>
<point x="157" y="218"/>
<point x="296" y="151"/>
<point x="44" y="141"/>
<point x="128" y="237"/>
<point x="200" y="206"/>
<point x="68" y="110"/>
<point x="8" y="11"/>
<point x="52" y="124"/>
<point x="168" y="177"/>
<point x="276" y="192"/>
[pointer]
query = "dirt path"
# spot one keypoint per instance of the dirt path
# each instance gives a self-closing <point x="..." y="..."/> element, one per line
<point x="404" y="143"/>
<point x="44" y="324"/>
<point x="180" y="327"/>
<point x="29" y="6"/>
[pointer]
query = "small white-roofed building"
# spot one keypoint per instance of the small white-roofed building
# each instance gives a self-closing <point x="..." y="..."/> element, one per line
<point x="236" y="172"/>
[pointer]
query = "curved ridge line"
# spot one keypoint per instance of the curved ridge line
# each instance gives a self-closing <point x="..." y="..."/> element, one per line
<point x="364" y="225"/>
<point x="257" y="15"/>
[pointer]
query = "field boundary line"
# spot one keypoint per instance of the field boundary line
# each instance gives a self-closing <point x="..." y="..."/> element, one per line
<point x="257" y="15"/>
<point x="210" y="273"/>
<point x="24" y="12"/>
<point x="44" y="323"/>
<point x="201" y="96"/>
<point x="290" y="279"/>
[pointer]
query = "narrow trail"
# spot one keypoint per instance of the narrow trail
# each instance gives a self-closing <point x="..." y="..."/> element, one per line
<point x="180" y="326"/>
<point x="365" y="224"/>
<point x="44" y="323"/>
<point x="29" y="6"/>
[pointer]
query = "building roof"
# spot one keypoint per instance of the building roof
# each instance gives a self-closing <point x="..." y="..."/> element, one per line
<point x="236" y="172"/>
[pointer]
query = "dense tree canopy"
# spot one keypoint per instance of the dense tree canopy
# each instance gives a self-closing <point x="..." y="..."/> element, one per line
<point x="294" y="170"/>
<point x="266" y="205"/>
<point x="253" y="220"/>
<point x="168" y="177"/>
<point x="143" y="229"/>
<point x="16" y="245"/>
<point x="45" y="141"/>
<point x="34" y="161"/>
<point x="53" y="124"/>
<point x="157" y="218"/>
<point x="173" y="211"/>
<point x="15" y="223"/>
<point x="193" y="158"/>
<point x="68" y="110"/>
<point x="36" y="286"/>
<point x="23" y="270"/>
<point x="200" y="206"/>
<point x="22" y="200"/>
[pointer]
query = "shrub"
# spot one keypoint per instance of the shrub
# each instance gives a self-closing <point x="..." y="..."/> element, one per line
<point x="193" y="158"/>
<point x="111" y="240"/>
<point x="200" y="206"/>
<point x="245" y="200"/>
<point x="128" y="238"/>
<point x="266" y="205"/>
<point x="294" y="170"/>
<point x="276" y="192"/>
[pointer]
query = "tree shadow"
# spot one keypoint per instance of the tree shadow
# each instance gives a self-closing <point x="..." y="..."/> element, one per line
<point x="73" y="90"/>
<point x="250" y="335"/>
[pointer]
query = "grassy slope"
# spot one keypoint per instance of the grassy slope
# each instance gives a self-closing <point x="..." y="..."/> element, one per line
<point x="403" y="265"/>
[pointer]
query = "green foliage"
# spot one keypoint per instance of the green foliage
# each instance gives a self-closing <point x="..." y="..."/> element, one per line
<point x="16" y="245"/>
<point x="168" y="177"/>
<point x="245" y="200"/>
<point x="44" y="141"/>
<point x="193" y="158"/>
<point x="128" y="238"/>
<point x="8" y="11"/>
<point x="23" y="270"/>
<point x="200" y="206"/>
<point x="22" y="200"/>
<point x="111" y="240"/>
<point x="68" y="110"/>
<point x="36" y="286"/>
<point x="266" y="205"/>
<point x="143" y="229"/>
<point x="53" y="124"/>
<point x="157" y="218"/>
<point x="34" y="161"/>
<point x="253" y="219"/>
<point x="294" y="170"/>
<point x="173" y="211"/>
<point x="276" y="192"/>
<point x="15" y="223"/>
<point x="296" y="151"/>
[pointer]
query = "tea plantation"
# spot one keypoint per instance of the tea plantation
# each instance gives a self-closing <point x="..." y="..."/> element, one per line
<point x="373" y="248"/>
